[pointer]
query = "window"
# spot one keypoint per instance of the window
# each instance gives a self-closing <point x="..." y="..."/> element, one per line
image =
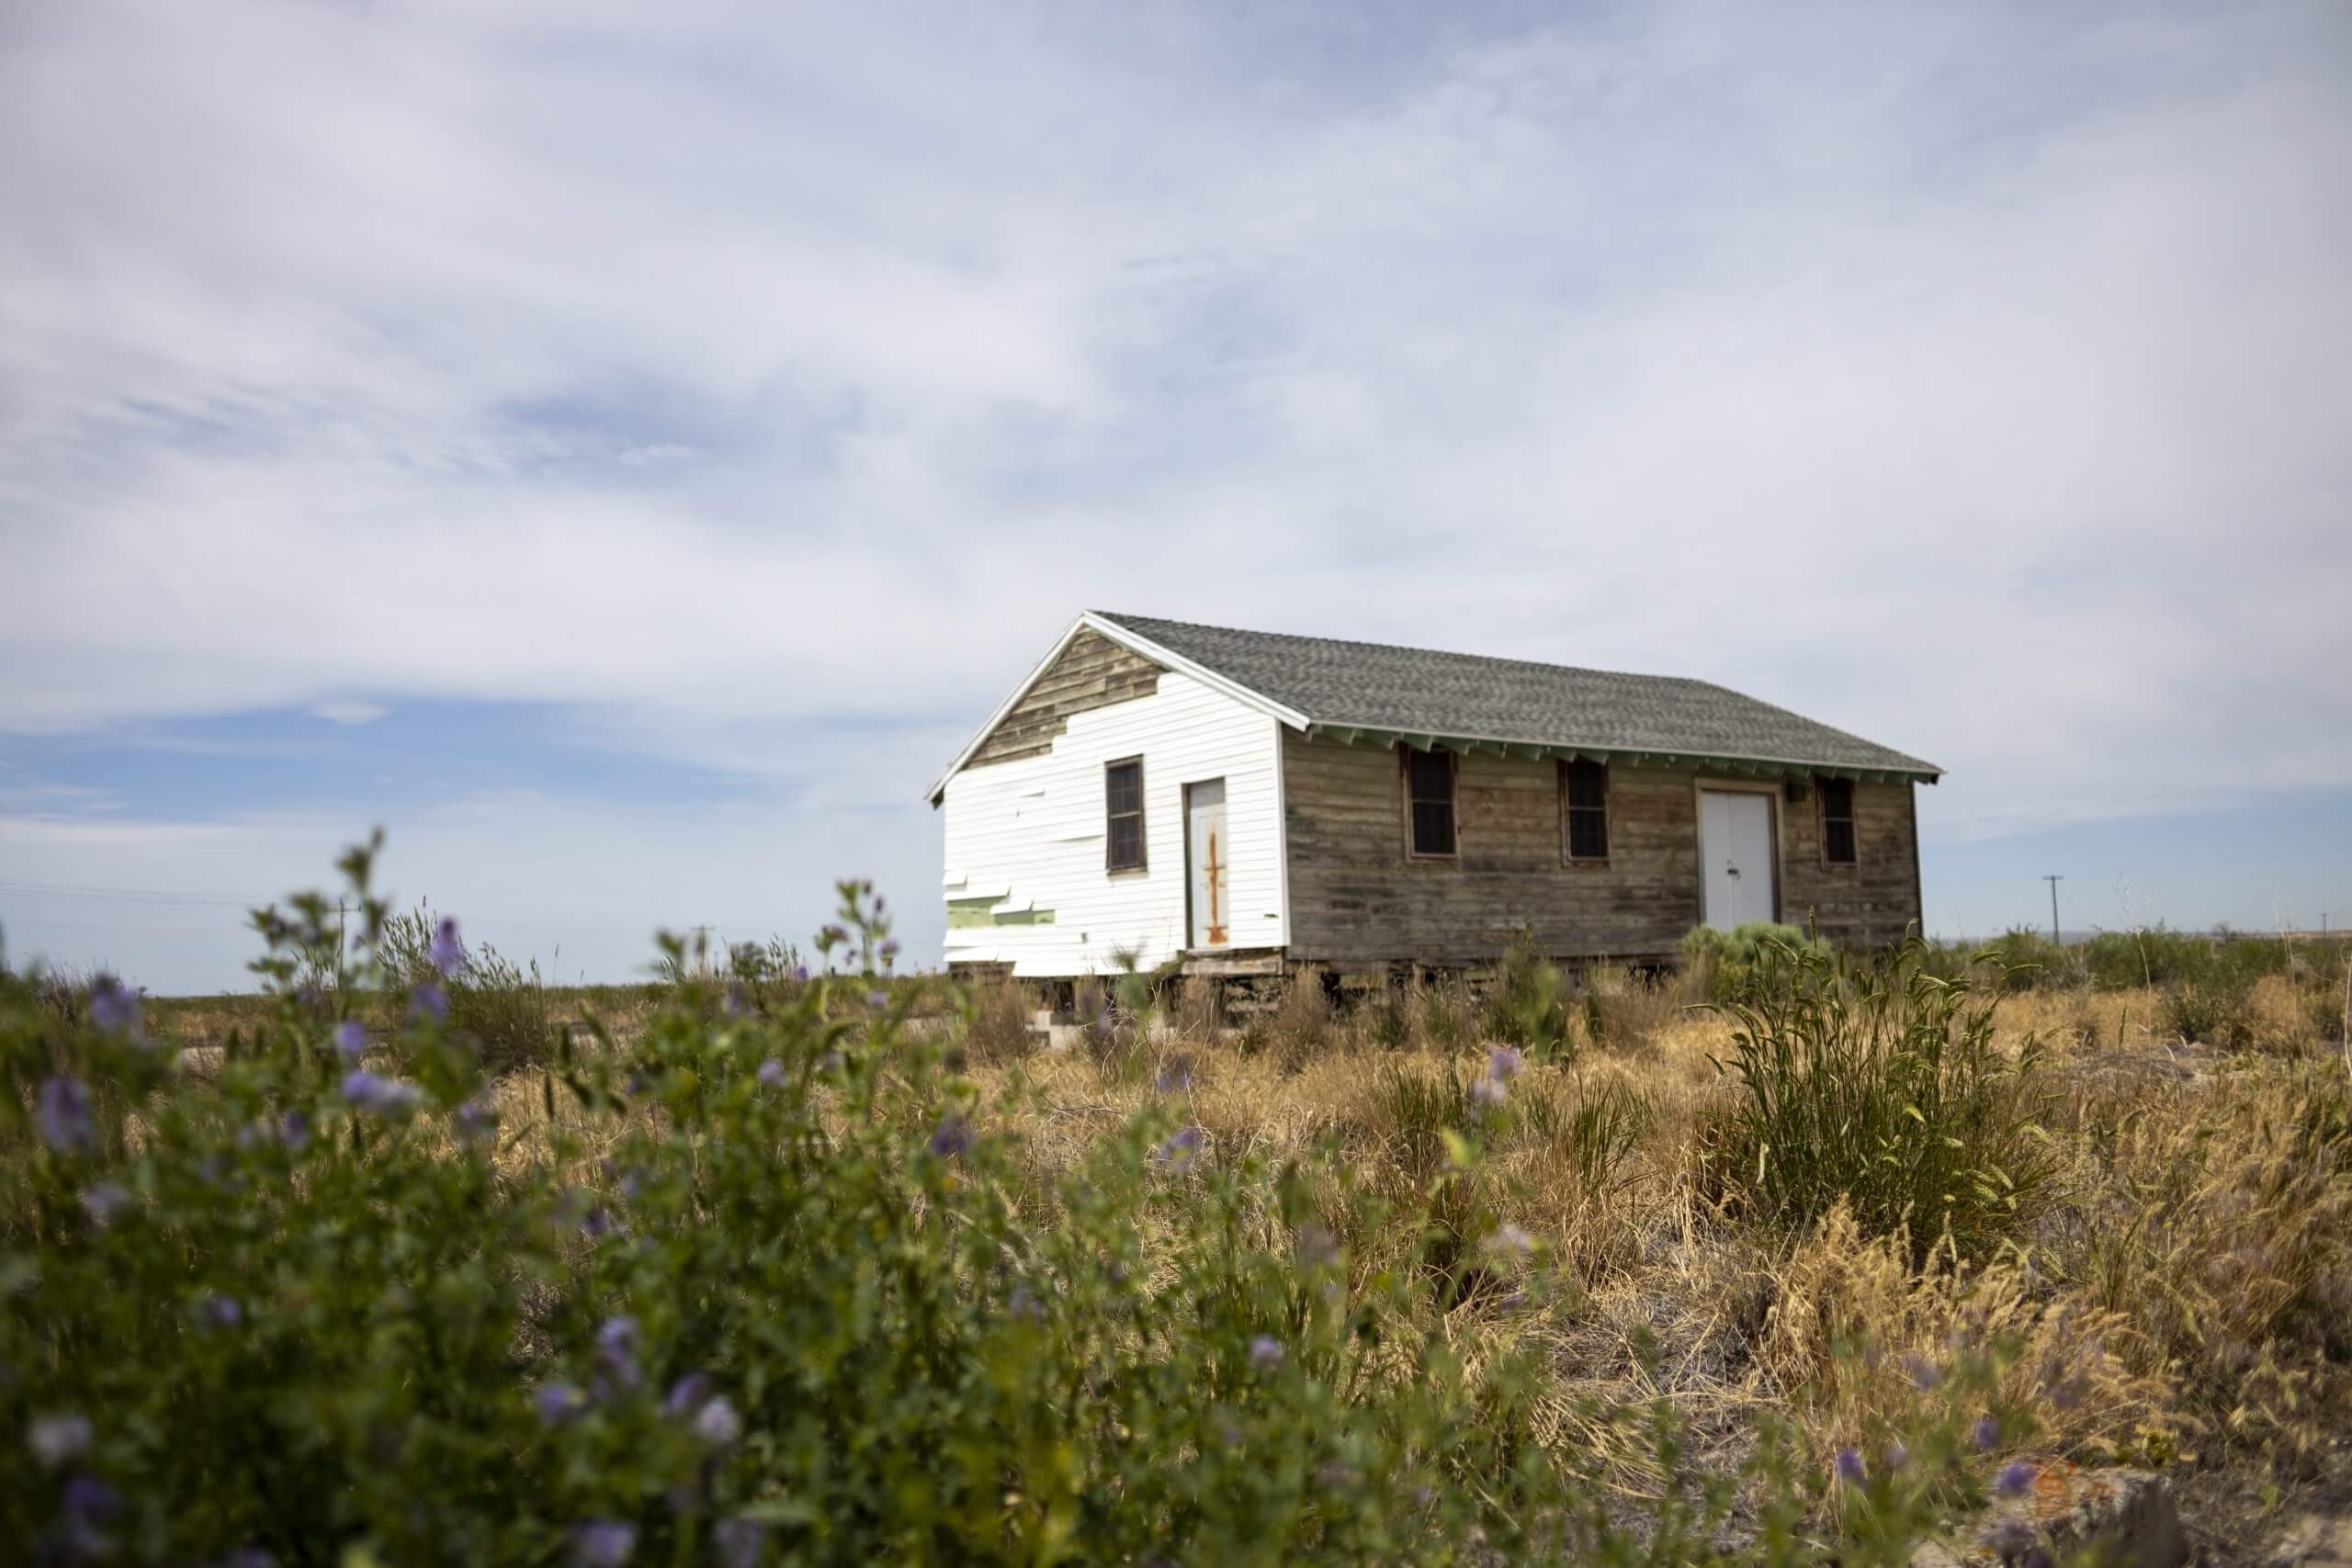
<point x="1123" y="805"/>
<point x="1428" y="795"/>
<point x="1584" y="785"/>
<point x="1837" y="821"/>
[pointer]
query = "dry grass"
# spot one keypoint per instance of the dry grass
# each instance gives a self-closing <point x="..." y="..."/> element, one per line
<point x="2187" y="1289"/>
<point x="2184" y="1291"/>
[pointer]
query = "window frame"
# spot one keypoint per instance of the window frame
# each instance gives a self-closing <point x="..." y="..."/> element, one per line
<point x="1111" y="867"/>
<point x="1413" y="852"/>
<point x="1822" y="786"/>
<point x="1568" y="807"/>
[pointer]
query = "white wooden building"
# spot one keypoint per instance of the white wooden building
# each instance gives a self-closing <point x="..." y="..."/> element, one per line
<point x="1248" y="800"/>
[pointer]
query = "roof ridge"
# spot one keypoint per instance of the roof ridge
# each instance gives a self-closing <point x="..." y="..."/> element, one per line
<point x="1431" y="652"/>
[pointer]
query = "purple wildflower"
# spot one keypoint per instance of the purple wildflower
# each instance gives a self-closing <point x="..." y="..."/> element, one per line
<point x="598" y="1224"/>
<point x="770" y="1074"/>
<point x="1504" y="1063"/>
<point x="954" y="1135"/>
<point x="62" y="1110"/>
<point x="476" y="1118"/>
<point x="295" y="1129"/>
<point x="1849" y="1467"/>
<point x="1924" y="1374"/>
<point x="1265" y="1352"/>
<point x="739" y="1542"/>
<point x="2015" y="1477"/>
<point x="716" y="1423"/>
<point x="2011" y="1539"/>
<point x="379" y="1096"/>
<point x="889" y="951"/>
<point x="616" y="1344"/>
<point x="558" y="1401"/>
<point x="448" y="953"/>
<point x="799" y="977"/>
<point x="603" y="1544"/>
<point x="1487" y="1093"/>
<point x="688" y="1394"/>
<point x="103" y="1200"/>
<point x="114" y="1007"/>
<point x="1985" y="1434"/>
<point x="1181" y="1149"/>
<point x="1175" y="1074"/>
<point x="877" y="1000"/>
<point x="222" y="1312"/>
<point x="55" y="1440"/>
<point x="88" y="1503"/>
<point x="351" y="1039"/>
<point x="429" y="1001"/>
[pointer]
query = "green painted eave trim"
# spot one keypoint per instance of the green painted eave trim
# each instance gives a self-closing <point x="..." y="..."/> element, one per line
<point x="1739" y="767"/>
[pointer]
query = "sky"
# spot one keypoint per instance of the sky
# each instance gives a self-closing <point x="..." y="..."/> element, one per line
<point x="623" y="451"/>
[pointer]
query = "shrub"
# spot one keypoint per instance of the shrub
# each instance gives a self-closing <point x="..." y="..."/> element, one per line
<point x="1732" y="964"/>
<point x="1883" y="1090"/>
<point x="488" y="1000"/>
<point x="1529" y="1005"/>
<point x="759" y="1287"/>
<point x="2209" y="1013"/>
<point x="995" y="1026"/>
<point x="2159" y="956"/>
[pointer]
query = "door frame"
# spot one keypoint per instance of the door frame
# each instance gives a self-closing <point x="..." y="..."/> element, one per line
<point x="1184" y="801"/>
<point x="1699" y="787"/>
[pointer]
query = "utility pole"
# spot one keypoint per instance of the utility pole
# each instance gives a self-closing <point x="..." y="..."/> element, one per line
<point x="2055" y="939"/>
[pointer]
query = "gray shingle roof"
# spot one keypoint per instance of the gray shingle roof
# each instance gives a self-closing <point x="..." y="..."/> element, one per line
<point x="1468" y="696"/>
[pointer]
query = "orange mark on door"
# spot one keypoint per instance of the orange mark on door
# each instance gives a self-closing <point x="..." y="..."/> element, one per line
<point x="1215" y="873"/>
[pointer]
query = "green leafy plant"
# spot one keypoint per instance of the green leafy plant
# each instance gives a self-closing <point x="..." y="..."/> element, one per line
<point x="1883" y="1089"/>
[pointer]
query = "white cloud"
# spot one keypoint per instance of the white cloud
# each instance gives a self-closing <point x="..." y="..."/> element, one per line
<point x="1978" y="379"/>
<point x="346" y="712"/>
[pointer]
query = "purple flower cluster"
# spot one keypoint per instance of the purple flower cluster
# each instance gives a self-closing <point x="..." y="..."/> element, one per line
<point x="62" y="1109"/>
<point x="1265" y="1352"/>
<point x="448" y="955"/>
<point x="954" y="1136"/>
<point x="1491" y="1088"/>
<point x="770" y="1074"/>
<point x="429" y="1001"/>
<point x="103" y="1200"/>
<point x="114" y="1007"/>
<point x="616" y="1348"/>
<point x="558" y="1401"/>
<point x="603" y="1544"/>
<point x="380" y="1096"/>
<point x="1181" y="1150"/>
<point x="351" y="1039"/>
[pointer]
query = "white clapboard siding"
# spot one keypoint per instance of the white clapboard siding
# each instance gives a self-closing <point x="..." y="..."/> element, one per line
<point x="1033" y="830"/>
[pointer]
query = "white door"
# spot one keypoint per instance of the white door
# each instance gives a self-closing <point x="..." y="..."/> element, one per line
<point x="1205" y="860"/>
<point x="1735" y="846"/>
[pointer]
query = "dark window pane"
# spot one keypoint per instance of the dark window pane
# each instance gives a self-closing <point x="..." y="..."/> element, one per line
<point x="1432" y="827"/>
<point x="1588" y="784"/>
<point x="1838" y="821"/>
<point x="1123" y="801"/>
<point x="1126" y="786"/>
<point x="1588" y="834"/>
<point x="1433" y="776"/>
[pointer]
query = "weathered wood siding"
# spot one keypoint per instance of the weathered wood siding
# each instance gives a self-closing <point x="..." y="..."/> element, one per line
<point x="1024" y="838"/>
<point x="1092" y="672"/>
<point x="1872" y="902"/>
<point x="1355" y="898"/>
